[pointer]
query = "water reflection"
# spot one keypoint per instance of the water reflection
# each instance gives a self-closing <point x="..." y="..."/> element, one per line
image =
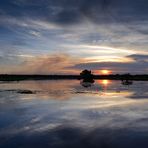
<point x="86" y="83"/>
<point x="104" y="84"/>
<point x="127" y="82"/>
<point x="66" y="89"/>
<point x="63" y="114"/>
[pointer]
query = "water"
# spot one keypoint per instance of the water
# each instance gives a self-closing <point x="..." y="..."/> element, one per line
<point x="62" y="114"/>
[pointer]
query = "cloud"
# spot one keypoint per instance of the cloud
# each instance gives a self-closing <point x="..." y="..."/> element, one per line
<point x="44" y="64"/>
<point x="35" y="33"/>
<point x="139" y="58"/>
<point x="92" y="30"/>
<point x="61" y="63"/>
<point x="74" y="11"/>
<point x="30" y="23"/>
<point x="139" y="66"/>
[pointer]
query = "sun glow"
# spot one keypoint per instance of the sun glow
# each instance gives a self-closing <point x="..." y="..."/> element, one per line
<point x="105" y="72"/>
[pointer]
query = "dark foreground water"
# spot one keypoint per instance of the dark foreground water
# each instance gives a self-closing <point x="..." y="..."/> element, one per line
<point x="64" y="114"/>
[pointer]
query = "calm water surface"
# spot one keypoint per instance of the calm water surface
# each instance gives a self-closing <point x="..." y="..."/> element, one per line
<point x="64" y="114"/>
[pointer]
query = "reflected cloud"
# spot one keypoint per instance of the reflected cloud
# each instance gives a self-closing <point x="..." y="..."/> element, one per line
<point x="64" y="107"/>
<point x="86" y="84"/>
<point x="67" y="89"/>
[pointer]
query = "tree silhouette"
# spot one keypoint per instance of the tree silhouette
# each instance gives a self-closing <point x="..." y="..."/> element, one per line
<point x="87" y="76"/>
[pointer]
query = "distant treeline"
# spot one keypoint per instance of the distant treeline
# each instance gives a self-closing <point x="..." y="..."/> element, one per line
<point x="123" y="77"/>
<point x="5" y="77"/>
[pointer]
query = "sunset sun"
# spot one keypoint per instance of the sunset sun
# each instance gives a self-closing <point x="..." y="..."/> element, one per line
<point x="104" y="72"/>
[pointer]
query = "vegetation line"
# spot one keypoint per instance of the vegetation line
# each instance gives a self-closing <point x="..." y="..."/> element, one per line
<point x="5" y="77"/>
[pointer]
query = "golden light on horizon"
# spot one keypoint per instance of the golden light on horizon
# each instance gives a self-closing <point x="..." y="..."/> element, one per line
<point x="104" y="72"/>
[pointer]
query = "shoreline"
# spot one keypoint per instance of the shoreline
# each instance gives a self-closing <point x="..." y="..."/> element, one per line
<point x="7" y="77"/>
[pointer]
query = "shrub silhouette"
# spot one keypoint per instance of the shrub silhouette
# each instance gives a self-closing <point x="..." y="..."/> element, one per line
<point x="87" y="76"/>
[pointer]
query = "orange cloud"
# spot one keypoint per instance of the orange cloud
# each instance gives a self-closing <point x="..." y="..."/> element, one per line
<point x="46" y="64"/>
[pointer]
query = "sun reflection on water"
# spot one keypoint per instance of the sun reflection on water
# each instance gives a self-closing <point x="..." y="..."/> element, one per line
<point x="104" y="83"/>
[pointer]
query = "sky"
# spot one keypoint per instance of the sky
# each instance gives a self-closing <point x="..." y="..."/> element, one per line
<point x="67" y="36"/>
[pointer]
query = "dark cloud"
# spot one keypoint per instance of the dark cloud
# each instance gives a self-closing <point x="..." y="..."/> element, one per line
<point x="67" y="16"/>
<point x="139" y="66"/>
<point x="72" y="11"/>
<point x="139" y="57"/>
